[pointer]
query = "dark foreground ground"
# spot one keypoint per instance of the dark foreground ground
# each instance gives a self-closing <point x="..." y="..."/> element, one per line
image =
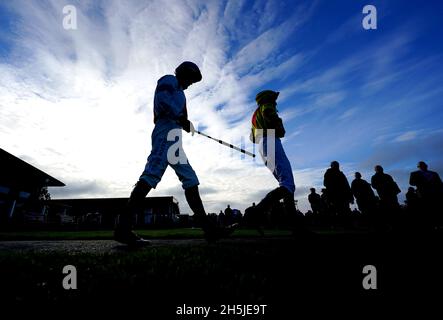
<point x="318" y="274"/>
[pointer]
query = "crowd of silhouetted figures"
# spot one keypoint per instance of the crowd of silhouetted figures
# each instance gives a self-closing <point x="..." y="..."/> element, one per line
<point x="377" y="202"/>
<point x="381" y="211"/>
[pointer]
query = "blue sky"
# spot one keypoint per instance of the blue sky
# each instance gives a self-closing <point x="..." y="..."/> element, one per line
<point x="78" y="103"/>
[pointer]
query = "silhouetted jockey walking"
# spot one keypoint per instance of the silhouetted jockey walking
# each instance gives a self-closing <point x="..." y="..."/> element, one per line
<point x="170" y="116"/>
<point x="429" y="191"/>
<point x="267" y="130"/>
<point x="387" y="190"/>
<point x="315" y="201"/>
<point x="338" y="190"/>
<point x="363" y="193"/>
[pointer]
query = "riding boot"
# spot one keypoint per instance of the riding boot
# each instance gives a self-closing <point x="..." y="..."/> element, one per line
<point x="212" y="232"/>
<point x="123" y="231"/>
<point x="272" y="198"/>
<point x="295" y="218"/>
<point x="195" y="203"/>
<point x="257" y="215"/>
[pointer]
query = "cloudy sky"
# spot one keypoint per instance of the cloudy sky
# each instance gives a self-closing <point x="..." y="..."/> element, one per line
<point x="78" y="103"/>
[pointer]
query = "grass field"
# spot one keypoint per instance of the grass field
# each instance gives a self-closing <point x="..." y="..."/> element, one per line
<point x="182" y="233"/>
<point x="285" y="274"/>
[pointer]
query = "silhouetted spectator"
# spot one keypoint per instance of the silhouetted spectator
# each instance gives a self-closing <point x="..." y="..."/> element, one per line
<point x="339" y="191"/>
<point x="324" y="199"/>
<point x="429" y="190"/>
<point x="363" y="193"/>
<point x="315" y="201"/>
<point x="386" y="187"/>
<point x="414" y="219"/>
<point x="428" y="183"/>
<point x="221" y="218"/>
<point x="236" y="216"/>
<point x="326" y="212"/>
<point x="228" y="214"/>
<point x="387" y="190"/>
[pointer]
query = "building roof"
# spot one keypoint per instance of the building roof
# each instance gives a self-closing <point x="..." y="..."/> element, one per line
<point x="18" y="173"/>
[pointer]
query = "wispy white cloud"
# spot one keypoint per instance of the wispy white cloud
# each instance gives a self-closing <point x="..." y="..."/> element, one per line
<point x="348" y="113"/>
<point x="407" y="136"/>
<point x="329" y="99"/>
